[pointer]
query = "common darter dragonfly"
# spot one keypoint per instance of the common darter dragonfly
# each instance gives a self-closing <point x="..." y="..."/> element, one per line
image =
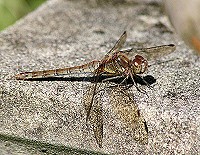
<point x="117" y="63"/>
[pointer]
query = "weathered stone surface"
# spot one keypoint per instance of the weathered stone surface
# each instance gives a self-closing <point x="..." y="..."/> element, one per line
<point x="65" y="33"/>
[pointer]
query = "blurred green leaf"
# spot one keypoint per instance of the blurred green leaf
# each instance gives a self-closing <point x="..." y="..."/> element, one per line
<point x="12" y="10"/>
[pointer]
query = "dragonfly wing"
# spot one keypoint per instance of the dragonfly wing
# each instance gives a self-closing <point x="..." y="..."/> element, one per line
<point x="118" y="45"/>
<point x="93" y="107"/>
<point x="97" y="120"/>
<point x="128" y="113"/>
<point x="151" y="53"/>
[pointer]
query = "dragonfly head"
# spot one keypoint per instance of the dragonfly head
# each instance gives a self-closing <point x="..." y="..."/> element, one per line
<point x="139" y="64"/>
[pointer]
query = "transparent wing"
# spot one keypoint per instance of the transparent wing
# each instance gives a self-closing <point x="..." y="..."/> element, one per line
<point x="93" y="107"/>
<point x="151" y="53"/>
<point x="128" y="113"/>
<point x="118" y="45"/>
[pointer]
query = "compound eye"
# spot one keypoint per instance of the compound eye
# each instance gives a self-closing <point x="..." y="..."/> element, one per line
<point x="144" y="66"/>
<point x="136" y="66"/>
<point x="135" y="63"/>
<point x="139" y="64"/>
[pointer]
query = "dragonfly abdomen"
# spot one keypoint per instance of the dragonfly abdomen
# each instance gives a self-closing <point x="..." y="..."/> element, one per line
<point x="86" y="68"/>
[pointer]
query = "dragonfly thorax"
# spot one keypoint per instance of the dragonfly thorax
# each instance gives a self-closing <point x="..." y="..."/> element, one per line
<point x="139" y="64"/>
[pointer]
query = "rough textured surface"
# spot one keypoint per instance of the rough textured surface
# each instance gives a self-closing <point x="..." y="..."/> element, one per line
<point x="66" y="33"/>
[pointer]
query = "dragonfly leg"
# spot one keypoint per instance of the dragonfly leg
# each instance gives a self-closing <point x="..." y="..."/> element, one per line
<point x="111" y="78"/>
<point x="117" y="84"/>
<point x="135" y="84"/>
<point x="146" y="83"/>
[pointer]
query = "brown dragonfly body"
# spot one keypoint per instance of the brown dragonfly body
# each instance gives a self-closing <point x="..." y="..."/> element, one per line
<point x="119" y="64"/>
<point x="115" y="63"/>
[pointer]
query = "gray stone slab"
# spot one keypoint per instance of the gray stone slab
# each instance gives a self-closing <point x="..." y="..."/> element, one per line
<point x="63" y="33"/>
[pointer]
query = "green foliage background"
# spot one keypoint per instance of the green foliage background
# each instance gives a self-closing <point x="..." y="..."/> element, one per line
<point x="12" y="10"/>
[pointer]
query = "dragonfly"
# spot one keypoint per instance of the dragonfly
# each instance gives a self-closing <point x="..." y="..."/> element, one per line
<point x="117" y="63"/>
